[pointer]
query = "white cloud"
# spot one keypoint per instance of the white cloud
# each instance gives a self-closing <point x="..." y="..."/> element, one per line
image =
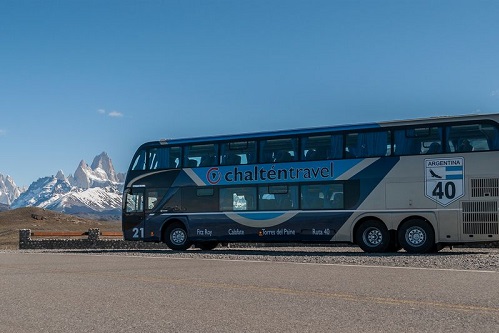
<point x="115" y="114"/>
<point x="495" y="93"/>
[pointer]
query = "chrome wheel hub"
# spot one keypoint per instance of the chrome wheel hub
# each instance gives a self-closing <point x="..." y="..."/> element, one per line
<point x="372" y="237"/>
<point x="178" y="236"/>
<point x="415" y="236"/>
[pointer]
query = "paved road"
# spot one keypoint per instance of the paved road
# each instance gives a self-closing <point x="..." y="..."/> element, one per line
<point x="45" y="292"/>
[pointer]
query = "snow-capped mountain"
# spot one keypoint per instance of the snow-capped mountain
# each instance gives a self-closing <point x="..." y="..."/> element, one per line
<point x="9" y="191"/>
<point x="93" y="190"/>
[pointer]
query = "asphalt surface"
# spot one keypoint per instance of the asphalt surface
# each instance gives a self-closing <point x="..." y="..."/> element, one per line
<point x="92" y="292"/>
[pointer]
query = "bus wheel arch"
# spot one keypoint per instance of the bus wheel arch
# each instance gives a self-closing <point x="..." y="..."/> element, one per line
<point x="175" y="235"/>
<point x="372" y="235"/>
<point x="417" y="235"/>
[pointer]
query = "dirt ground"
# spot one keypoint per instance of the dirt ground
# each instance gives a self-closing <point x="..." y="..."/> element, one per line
<point x="38" y="219"/>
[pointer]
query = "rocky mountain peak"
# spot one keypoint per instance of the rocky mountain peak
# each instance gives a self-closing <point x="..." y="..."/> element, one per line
<point x="80" y="178"/>
<point x="9" y="191"/>
<point x="100" y="174"/>
<point x="104" y="163"/>
<point x="60" y="175"/>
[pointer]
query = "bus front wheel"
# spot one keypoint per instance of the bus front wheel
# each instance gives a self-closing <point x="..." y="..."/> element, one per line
<point x="176" y="237"/>
<point x="417" y="236"/>
<point x="373" y="236"/>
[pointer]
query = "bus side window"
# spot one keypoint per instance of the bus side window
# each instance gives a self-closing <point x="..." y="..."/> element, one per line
<point x="207" y="160"/>
<point x="158" y="158"/>
<point x="369" y="144"/>
<point x="226" y="202"/>
<point x="312" y="197"/>
<point x="323" y="147"/>
<point x="238" y="152"/>
<point x="163" y="158"/>
<point x="492" y="136"/>
<point x="322" y="196"/>
<point x="173" y="162"/>
<point x="470" y="137"/>
<point x="231" y="159"/>
<point x="406" y="143"/>
<point x="140" y="161"/>
<point x="464" y="146"/>
<point x="191" y="163"/>
<point x="279" y="150"/>
<point x="237" y="198"/>
<point x="134" y="202"/>
<point x="204" y="155"/>
<point x="174" y="157"/>
<point x="174" y="201"/>
<point x="199" y="199"/>
<point x="431" y="139"/>
<point x="277" y="197"/>
<point x="283" y="156"/>
<point x="154" y="197"/>
<point x="337" y="200"/>
<point x="434" y="148"/>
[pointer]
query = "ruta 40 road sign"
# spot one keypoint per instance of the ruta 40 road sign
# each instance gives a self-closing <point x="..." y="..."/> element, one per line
<point x="444" y="179"/>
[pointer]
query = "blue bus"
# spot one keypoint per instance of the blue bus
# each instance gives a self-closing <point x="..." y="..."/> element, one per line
<point x="416" y="184"/>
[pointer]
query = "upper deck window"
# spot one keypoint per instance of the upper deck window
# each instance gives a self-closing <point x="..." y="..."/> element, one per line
<point x="471" y="137"/>
<point x="368" y="144"/>
<point x="240" y="152"/>
<point x="430" y="138"/>
<point x="419" y="140"/>
<point x="202" y="155"/>
<point x="164" y="158"/>
<point x="322" y="147"/>
<point x="279" y="150"/>
<point x="139" y="163"/>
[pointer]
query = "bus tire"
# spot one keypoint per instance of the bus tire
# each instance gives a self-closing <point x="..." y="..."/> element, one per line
<point x="372" y="236"/>
<point x="394" y="245"/>
<point x="176" y="237"/>
<point x="417" y="236"/>
<point x="207" y="246"/>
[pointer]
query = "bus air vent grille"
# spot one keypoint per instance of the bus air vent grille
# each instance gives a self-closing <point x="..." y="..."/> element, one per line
<point x="484" y="187"/>
<point x="480" y="217"/>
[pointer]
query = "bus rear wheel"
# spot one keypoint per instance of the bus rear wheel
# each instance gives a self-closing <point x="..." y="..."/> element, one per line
<point x="176" y="237"/>
<point x="417" y="236"/>
<point x="373" y="236"/>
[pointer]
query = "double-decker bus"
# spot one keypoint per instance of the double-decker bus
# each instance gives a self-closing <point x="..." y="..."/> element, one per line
<point x="416" y="184"/>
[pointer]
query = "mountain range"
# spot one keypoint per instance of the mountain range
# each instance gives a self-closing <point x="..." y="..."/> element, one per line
<point x="92" y="191"/>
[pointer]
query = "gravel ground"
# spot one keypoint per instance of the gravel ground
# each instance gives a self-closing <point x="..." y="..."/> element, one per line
<point x="457" y="258"/>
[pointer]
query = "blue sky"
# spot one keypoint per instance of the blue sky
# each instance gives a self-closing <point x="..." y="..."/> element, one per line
<point x="81" y="77"/>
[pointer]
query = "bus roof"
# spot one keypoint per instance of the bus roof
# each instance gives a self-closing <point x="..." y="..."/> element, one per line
<point x="314" y="130"/>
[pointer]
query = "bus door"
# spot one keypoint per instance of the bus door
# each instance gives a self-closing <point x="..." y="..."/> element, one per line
<point x="134" y="214"/>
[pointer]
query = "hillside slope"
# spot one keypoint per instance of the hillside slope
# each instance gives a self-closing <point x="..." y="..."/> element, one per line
<point x="40" y="219"/>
